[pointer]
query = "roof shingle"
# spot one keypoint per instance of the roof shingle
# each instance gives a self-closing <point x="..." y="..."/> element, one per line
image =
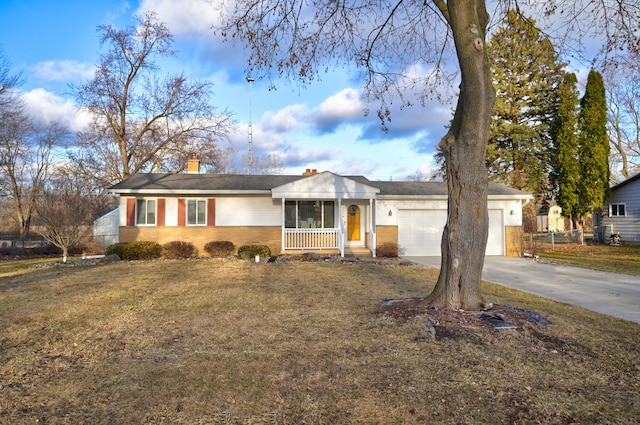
<point x="211" y="183"/>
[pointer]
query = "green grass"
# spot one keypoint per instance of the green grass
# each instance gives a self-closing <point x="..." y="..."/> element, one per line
<point x="208" y="342"/>
<point x="616" y="259"/>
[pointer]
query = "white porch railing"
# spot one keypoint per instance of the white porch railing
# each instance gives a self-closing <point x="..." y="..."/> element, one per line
<point x="328" y="238"/>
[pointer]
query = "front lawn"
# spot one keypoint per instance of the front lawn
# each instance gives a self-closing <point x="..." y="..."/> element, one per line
<point x="208" y="342"/>
<point x="616" y="259"/>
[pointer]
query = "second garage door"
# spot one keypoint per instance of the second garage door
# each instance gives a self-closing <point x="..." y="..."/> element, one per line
<point x="420" y="232"/>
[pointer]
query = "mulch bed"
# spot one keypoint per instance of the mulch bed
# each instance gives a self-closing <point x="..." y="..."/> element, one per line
<point x="455" y="324"/>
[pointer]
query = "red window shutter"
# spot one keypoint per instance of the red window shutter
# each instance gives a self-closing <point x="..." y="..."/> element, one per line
<point x="211" y="212"/>
<point x="161" y="211"/>
<point x="131" y="211"/>
<point x="182" y="212"/>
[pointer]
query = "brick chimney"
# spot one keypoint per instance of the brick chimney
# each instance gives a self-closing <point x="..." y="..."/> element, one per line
<point x="309" y="172"/>
<point x="193" y="165"/>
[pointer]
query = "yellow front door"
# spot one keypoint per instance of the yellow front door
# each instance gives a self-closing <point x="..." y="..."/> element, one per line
<point x="353" y="223"/>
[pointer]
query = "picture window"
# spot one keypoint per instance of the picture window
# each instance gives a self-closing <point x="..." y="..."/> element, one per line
<point x="309" y="214"/>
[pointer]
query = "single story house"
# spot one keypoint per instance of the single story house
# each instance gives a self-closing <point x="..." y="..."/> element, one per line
<point x="621" y="214"/>
<point x="320" y="212"/>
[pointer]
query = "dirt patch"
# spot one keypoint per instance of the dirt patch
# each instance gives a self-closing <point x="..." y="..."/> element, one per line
<point x="484" y="325"/>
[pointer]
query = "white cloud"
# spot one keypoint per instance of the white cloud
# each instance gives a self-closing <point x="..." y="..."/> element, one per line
<point x="184" y="17"/>
<point x="64" y="70"/>
<point x="286" y="119"/>
<point x="344" y="107"/>
<point x="344" y="104"/>
<point x="48" y="107"/>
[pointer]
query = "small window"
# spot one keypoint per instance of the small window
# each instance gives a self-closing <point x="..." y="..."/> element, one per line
<point x="196" y="212"/>
<point x="617" y="210"/>
<point x="146" y="211"/>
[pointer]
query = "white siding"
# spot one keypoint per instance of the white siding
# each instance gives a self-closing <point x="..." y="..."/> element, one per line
<point x="395" y="205"/>
<point x="325" y="185"/>
<point x="495" y="243"/>
<point x="511" y="209"/>
<point x="171" y="212"/>
<point x="122" y="211"/>
<point x="248" y="211"/>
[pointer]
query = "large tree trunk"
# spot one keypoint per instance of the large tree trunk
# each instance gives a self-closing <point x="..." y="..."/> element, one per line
<point x="465" y="235"/>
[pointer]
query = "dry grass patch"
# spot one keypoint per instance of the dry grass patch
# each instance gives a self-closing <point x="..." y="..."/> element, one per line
<point x="188" y="342"/>
<point x="616" y="259"/>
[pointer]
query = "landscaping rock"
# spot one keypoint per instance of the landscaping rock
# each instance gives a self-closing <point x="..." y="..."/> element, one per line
<point x="111" y="258"/>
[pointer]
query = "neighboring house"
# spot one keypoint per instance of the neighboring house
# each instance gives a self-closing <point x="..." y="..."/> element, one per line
<point x="321" y="212"/>
<point x="621" y="214"/>
<point x="550" y="219"/>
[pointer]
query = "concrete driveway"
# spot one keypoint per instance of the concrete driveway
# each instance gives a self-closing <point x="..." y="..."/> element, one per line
<point x="614" y="294"/>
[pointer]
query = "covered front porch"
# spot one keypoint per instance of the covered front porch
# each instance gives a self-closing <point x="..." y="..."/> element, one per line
<point x="328" y="213"/>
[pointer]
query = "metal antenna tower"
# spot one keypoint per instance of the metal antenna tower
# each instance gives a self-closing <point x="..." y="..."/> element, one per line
<point x="250" y="131"/>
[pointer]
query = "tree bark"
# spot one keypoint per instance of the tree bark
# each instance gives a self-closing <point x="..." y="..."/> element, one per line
<point x="464" y="147"/>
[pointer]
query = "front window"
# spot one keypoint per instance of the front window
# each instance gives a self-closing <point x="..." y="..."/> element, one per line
<point x="196" y="212"/>
<point x="309" y="214"/>
<point x="617" y="210"/>
<point x="146" y="211"/>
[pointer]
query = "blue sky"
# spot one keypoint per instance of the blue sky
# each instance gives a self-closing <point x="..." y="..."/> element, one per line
<point x="322" y="126"/>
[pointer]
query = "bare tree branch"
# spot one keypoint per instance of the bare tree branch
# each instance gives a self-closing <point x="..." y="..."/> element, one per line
<point x="142" y="118"/>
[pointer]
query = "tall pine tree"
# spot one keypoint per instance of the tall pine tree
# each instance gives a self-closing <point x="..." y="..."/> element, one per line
<point x="593" y="185"/>
<point x="566" y="162"/>
<point x="526" y="74"/>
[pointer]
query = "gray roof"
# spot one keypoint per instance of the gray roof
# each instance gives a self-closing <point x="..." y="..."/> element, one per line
<point x="227" y="183"/>
<point x="201" y="182"/>
<point x="413" y="188"/>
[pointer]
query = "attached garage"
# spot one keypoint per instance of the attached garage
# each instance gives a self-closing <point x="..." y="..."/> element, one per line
<point x="420" y="232"/>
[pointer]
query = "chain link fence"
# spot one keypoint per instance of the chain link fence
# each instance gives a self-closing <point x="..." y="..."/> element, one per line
<point x="36" y="245"/>
<point x="540" y="242"/>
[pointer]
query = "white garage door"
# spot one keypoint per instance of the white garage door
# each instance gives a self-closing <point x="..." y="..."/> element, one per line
<point x="420" y="232"/>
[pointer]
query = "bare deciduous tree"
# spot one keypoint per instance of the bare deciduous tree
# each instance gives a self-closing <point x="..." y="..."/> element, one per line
<point x="623" y="115"/>
<point x="25" y="150"/>
<point x="385" y="39"/>
<point x="11" y="110"/>
<point x="66" y="208"/>
<point x="140" y="120"/>
<point x="26" y="158"/>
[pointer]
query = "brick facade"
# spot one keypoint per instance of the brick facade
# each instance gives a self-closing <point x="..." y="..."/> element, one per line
<point x="386" y="234"/>
<point x="200" y="235"/>
<point x="513" y="241"/>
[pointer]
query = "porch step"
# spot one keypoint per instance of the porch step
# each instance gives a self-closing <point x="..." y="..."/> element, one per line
<point x="357" y="252"/>
<point x="348" y="252"/>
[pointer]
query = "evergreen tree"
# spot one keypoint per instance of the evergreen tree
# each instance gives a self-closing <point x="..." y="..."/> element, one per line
<point x="526" y="74"/>
<point x="566" y="162"/>
<point x="593" y="185"/>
